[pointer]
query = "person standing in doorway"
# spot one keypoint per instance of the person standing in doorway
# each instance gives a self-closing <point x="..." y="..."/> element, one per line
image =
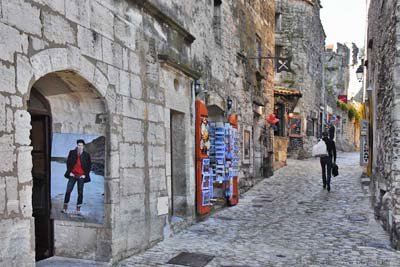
<point x="327" y="161"/>
<point x="79" y="165"/>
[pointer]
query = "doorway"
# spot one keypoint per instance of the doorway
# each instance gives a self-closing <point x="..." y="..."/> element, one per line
<point x="178" y="164"/>
<point x="40" y="136"/>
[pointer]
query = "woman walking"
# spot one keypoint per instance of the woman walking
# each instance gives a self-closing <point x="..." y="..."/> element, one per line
<point x="326" y="161"/>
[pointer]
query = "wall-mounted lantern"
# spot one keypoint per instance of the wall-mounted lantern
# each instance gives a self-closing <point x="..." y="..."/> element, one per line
<point x="197" y="87"/>
<point x="360" y="73"/>
<point x="229" y="103"/>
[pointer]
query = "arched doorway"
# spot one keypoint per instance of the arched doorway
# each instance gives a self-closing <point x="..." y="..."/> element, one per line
<point x="40" y="136"/>
<point x="64" y="108"/>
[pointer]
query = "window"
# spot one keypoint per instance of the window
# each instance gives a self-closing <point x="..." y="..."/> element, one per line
<point x="279" y="130"/>
<point x="310" y="127"/>
<point x="278" y="22"/>
<point x="278" y="51"/>
<point x="259" y="52"/>
<point x="246" y="145"/>
<point x="217" y="23"/>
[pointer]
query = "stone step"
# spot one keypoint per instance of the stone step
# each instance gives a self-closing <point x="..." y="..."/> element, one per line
<point x="69" y="262"/>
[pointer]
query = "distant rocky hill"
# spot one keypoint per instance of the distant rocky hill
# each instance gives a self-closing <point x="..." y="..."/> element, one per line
<point x="96" y="149"/>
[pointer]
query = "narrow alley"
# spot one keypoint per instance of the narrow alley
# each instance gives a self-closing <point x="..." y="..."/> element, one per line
<point x="288" y="220"/>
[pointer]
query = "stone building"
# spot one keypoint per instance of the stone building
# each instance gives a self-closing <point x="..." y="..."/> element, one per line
<point x="115" y="69"/>
<point x="383" y="83"/>
<point x="341" y="62"/>
<point x="300" y="36"/>
<point x="231" y="37"/>
<point x="121" y="75"/>
<point x="337" y="75"/>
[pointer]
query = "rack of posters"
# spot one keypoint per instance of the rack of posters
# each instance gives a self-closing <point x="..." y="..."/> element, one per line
<point x="224" y="154"/>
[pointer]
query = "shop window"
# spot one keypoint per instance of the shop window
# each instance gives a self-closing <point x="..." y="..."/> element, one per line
<point x="278" y="22"/>
<point x="217" y="22"/>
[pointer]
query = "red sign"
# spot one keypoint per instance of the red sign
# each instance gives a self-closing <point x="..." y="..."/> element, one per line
<point x="202" y="146"/>
<point x="343" y="98"/>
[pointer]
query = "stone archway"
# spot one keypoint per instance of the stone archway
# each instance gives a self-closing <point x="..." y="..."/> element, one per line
<point x="60" y="74"/>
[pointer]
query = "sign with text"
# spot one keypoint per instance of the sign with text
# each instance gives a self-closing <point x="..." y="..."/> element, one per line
<point x="364" y="127"/>
<point x="364" y="151"/>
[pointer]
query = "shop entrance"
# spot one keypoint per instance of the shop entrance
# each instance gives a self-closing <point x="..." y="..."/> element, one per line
<point x="40" y="136"/>
<point x="64" y="108"/>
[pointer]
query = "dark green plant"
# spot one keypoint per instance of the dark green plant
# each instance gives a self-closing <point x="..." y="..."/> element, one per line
<point x="352" y="113"/>
<point x="344" y="106"/>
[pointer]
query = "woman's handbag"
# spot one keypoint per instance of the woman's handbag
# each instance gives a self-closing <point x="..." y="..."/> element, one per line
<point x="320" y="149"/>
<point x="335" y="170"/>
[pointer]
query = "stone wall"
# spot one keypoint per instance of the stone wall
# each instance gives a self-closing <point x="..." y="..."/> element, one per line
<point x="280" y="151"/>
<point x="347" y="132"/>
<point x="226" y="40"/>
<point x="303" y="38"/>
<point x="383" y="77"/>
<point x="125" y="69"/>
<point x="121" y="49"/>
<point x="337" y="60"/>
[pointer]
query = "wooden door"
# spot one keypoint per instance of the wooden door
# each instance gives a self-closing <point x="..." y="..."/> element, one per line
<point x="40" y="138"/>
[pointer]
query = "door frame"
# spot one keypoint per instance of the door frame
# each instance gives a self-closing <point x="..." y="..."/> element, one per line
<point x="46" y="112"/>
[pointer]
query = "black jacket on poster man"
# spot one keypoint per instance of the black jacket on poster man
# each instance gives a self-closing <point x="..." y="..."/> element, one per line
<point x="86" y="163"/>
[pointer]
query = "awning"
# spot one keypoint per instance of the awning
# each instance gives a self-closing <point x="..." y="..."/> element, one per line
<point x="282" y="91"/>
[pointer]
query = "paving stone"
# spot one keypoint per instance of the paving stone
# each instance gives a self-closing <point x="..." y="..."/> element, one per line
<point x="295" y="223"/>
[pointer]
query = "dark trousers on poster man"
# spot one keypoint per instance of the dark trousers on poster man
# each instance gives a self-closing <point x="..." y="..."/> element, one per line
<point x="326" y="166"/>
<point x="70" y="187"/>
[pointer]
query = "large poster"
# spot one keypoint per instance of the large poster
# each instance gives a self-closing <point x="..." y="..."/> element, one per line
<point x="91" y="208"/>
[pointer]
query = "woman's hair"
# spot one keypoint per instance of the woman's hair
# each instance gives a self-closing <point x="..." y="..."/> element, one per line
<point x="325" y="135"/>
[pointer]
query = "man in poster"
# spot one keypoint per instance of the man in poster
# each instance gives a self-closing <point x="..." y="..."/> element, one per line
<point x="79" y="165"/>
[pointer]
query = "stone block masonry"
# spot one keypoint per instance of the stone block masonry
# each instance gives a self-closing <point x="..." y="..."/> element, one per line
<point x="383" y="77"/>
<point x="124" y="70"/>
<point x="301" y="36"/>
<point x="96" y="64"/>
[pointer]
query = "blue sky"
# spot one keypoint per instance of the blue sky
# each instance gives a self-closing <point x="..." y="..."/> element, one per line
<point x="344" y="21"/>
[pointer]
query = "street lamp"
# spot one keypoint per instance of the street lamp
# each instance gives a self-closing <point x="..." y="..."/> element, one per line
<point x="360" y="73"/>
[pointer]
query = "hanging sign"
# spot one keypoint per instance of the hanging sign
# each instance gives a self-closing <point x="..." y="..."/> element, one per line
<point x="283" y="64"/>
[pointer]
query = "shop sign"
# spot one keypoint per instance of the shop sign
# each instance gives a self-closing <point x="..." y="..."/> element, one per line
<point x="364" y="151"/>
<point x="364" y="127"/>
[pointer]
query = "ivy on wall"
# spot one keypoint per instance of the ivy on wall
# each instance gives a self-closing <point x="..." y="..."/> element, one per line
<point x="352" y="111"/>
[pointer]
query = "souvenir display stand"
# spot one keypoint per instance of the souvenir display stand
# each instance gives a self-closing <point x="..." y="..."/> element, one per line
<point x="224" y="158"/>
<point x="217" y="158"/>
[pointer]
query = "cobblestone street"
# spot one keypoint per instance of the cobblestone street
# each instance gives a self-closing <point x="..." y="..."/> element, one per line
<point x="288" y="220"/>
